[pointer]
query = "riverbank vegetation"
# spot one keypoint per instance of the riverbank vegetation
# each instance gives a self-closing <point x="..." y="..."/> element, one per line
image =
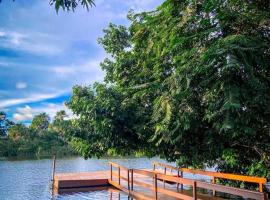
<point x="40" y="139"/>
<point x="188" y="82"/>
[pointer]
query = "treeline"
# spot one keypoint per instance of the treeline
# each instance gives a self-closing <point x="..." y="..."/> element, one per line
<point x="41" y="139"/>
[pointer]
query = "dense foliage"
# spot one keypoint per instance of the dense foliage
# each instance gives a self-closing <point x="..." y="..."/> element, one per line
<point x="106" y="124"/>
<point x="4" y="124"/>
<point x="189" y="82"/>
<point x="38" y="140"/>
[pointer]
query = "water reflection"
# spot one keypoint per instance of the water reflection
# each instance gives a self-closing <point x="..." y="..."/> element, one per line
<point x="95" y="194"/>
<point x="31" y="179"/>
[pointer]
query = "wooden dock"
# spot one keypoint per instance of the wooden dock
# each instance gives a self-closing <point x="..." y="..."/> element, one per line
<point x="83" y="181"/>
<point x="162" y="182"/>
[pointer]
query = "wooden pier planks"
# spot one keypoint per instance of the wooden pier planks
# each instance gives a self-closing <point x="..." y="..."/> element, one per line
<point x="123" y="179"/>
<point x="71" y="181"/>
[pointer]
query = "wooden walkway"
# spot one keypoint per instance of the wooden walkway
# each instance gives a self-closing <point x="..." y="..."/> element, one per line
<point x="162" y="182"/>
<point x="79" y="182"/>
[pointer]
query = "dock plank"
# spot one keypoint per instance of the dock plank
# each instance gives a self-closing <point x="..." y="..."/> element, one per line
<point x="143" y="185"/>
<point x="67" y="181"/>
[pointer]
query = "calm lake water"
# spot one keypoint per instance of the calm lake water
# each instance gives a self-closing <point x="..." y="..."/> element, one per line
<point x="30" y="179"/>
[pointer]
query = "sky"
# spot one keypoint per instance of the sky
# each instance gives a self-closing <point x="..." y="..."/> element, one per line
<point x="43" y="54"/>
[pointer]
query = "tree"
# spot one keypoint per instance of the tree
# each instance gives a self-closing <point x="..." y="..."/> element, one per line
<point x="40" y="123"/>
<point x="106" y="125"/>
<point x="60" y="115"/>
<point x="197" y="74"/>
<point x="4" y="124"/>
<point x="17" y="132"/>
<point x="60" y="124"/>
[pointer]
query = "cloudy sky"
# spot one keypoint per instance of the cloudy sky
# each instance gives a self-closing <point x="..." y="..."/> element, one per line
<point x="43" y="54"/>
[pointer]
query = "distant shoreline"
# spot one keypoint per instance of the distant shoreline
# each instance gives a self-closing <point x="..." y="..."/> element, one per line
<point x="22" y="158"/>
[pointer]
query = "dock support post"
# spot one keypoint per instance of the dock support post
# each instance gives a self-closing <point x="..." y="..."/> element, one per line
<point x="154" y="169"/>
<point x="178" y="175"/>
<point x="260" y="187"/>
<point x="128" y="180"/>
<point x="165" y="170"/>
<point x="119" y="176"/>
<point x="132" y="179"/>
<point x="266" y="196"/>
<point x="111" y="171"/>
<point x="182" y="186"/>
<point x="214" y="182"/>
<point x="156" y="192"/>
<point x="195" y="190"/>
<point x="53" y="173"/>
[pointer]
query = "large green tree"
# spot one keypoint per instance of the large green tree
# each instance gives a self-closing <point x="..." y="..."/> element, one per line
<point x="40" y="123"/>
<point x="107" y="122"/>
<point x="195" y="76"/>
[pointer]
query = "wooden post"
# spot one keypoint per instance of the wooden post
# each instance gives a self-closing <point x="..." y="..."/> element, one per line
<point x="260" y="187"/>
<point x="53" y="167"/>
<point x="265" y="196"/>
<point x="154" y="169"/>
<point x="119" y="176"/>
<point x="165" y="170"/>
<point x="132" y="179"/>
<point x="156" y="192"/>
<point x="178" y="175"/>
<point x="111" y="172"/>
<point x="110" y="195"/>
<point x="128" y="180"/>
<point x="182" y="186"/>
<point x="195" y="190"/>
<point x="214" y="182"/>
<point x="53" y="173"/>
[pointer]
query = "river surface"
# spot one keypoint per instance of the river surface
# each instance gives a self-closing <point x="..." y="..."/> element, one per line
<point x="31" y="179"/>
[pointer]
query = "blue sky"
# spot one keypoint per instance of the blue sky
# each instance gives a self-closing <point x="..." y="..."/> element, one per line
<point x="43" y="54"/>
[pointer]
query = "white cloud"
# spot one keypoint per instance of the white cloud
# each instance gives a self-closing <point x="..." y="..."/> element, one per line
<point x="30" y="99"/>
<point x="63" y="71"/>
<point x="21" y="85"/>
<point x="27" y="113"/>
<point x="23" y="114"/>
<point x="53" y="82"/>
<point x="80" y="73"/>
<point x="16" y="38"/>
<point x="4" y="64"/>
<point x="33" y="42"/>
<point x="2" y="34"/>
<point x="51" y="109"/>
